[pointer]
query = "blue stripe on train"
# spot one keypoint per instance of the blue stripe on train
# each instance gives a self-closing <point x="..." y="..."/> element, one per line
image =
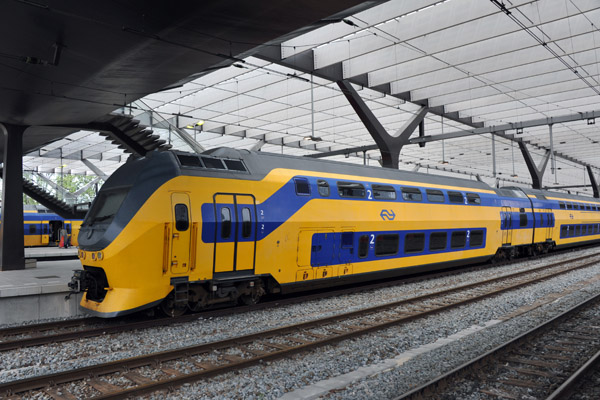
<point x="284" y="203"/>
<point x="333" y="248"/>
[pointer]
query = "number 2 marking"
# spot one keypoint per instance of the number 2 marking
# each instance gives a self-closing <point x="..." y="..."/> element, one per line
<point x="370" y="195"/>
<point x="372" y="240"/>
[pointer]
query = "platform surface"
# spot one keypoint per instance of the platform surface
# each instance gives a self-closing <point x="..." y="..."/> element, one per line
<point x="47" y="277"/>
<point x="50" y="252"/>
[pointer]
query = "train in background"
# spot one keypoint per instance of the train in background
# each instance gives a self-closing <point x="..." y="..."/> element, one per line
<point x="42" y="228"/>
<point x="184" y="231"/>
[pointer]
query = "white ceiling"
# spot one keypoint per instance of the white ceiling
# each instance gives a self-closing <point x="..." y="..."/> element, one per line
<point x="468" y="56"/>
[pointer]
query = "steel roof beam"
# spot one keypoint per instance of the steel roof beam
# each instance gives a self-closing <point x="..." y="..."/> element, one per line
<point x="537" y="173"/>
<point x="593" y="182"/>
<point x="389" y="145"/>
<point x="304" y="62"/>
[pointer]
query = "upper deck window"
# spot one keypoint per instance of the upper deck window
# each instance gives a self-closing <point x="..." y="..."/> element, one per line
<point x="436" y="196"/>
<point x="323" y="188"/>
<point x="562" y="205"/>
<point x="351" y="189"/>
<point x="302" y="186"/>
<point x="411" y="194"/>
<point x="456" y="197"/>
<point x="384" y="192"/>
<point x="473" y="198"/>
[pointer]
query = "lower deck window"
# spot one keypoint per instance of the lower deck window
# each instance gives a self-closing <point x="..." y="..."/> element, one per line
<point x="437" y="241"/>
<point x="363" y="246"/>
<point x="458" y="240"/>
<point x="414" y="242"/>
<point x="386" y="245"/>
<point x="476" y="238"/>
<point x="564" y="231"/>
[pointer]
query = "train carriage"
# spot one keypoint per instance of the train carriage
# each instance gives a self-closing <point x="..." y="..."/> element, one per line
<point x="186" y="231"/>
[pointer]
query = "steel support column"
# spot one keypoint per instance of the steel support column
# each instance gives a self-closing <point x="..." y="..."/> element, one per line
<point x="388" y="145"/>
<point x="593" y="182"/>
<point x="537" y="173"/>
<point x="12" y="253"/>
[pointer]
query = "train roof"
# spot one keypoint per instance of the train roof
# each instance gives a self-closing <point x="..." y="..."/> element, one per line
<point x="259" y="164"/>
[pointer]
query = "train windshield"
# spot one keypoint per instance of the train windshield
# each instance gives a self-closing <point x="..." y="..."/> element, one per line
<point x="106" y="205"/>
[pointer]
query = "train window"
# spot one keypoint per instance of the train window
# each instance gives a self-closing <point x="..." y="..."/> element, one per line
<point x="68" y="228"/>
<point x="383" y="192"/>
<point x="522" y="219"/>
<point x="473" y="198"/>
<point x="436" y="196"/>
<point x="437" y="241"/>
<point x="45" y="229"/>
<point x="386" y="245"/>
<point x="588" y="207"/>
<point x="562" y="205"/>
<point x="351" y="189"/>
<point x="569" y="206"/>
<point x="541" y="219"/>
<point x="363" y="246"/>
<point x="192" y="161"/>
<point x="32" y="229"/>
<point x="577" y="230"/>
<point x="302" y="186"/>
<point x="458" y="239"/>
<point x="347" y="240"/>
<point x="182" y="221"/>
<point x="456" y="197"/>
<point x="107" y="204"/>
<point x="235" y="165"/>
<point x="564" y="231"/>
<point x="411" y="194"/>
<point x="323" y="188"/>
<point x="414" y="242"/>
<point x="225" y="222"/>
<point x="476" y="238"/>
<point x="214" y="163"/>
<point x="246" y="222"/>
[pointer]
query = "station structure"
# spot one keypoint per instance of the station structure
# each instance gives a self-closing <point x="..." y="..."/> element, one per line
<point x="503" y="92"/>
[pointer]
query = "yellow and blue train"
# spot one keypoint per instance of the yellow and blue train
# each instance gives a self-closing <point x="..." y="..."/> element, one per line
<point x="43" y="229"/>
<point x="184" y="231"/>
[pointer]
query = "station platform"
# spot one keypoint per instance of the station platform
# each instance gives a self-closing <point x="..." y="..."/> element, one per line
<point x="50" y="253"/>
<point x="38" y="292"/>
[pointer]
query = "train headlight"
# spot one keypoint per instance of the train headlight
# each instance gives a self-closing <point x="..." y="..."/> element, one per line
<point x="100" y="255"/>
<point x="82" y="254"/>
<point x="93" y="256"/>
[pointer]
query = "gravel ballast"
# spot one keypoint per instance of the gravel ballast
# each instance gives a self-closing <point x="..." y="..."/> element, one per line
<point x="274" y="379"/>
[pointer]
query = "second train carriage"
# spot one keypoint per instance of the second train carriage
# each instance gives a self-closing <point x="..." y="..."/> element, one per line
<point x="185" y="230"/>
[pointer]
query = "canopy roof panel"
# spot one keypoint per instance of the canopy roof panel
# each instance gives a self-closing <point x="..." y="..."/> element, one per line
<point x="473" y="64"/>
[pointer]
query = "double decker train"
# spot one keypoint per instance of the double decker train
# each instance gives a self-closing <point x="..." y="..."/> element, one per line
<point x="184" y="231"/>
<point x="42" y="228"/>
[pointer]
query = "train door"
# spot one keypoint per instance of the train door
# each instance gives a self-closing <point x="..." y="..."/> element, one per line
<point x="550" y="223"/>
<point x="506" y="225"/>
<point x="235" y="232"/>
<point x="180" y="243"/>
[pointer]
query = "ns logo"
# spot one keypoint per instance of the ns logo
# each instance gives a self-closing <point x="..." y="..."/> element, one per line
<point x="388" y="215"/>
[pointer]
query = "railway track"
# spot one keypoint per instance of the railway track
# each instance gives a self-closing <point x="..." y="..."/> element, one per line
<point x="61" y="331"/>
<point x="544" y="363"/>
<point x="168" y="369"/>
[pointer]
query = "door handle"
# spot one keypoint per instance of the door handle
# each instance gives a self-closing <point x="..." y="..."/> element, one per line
<point x="176" y="236"/>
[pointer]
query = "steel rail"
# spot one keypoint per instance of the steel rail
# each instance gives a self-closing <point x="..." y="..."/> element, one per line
<point x="108" y="327"/>
<point x="156" y="358"/>
<point x="565" y="390"/>
<point x="442" y="381"/>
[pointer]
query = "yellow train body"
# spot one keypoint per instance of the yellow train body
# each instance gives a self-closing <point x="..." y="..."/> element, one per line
<point x="294" y="242"/>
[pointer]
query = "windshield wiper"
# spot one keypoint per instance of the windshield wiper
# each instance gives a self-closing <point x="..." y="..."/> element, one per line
<point x="97" y="219"/>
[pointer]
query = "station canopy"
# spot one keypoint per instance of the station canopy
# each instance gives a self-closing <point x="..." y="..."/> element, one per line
<point x="490" y="73"/>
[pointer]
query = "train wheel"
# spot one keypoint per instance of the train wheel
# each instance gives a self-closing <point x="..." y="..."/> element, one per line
<point x="254" y="296"/>
<point x="198" y="299"/>
<point x="172" y="309"/>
